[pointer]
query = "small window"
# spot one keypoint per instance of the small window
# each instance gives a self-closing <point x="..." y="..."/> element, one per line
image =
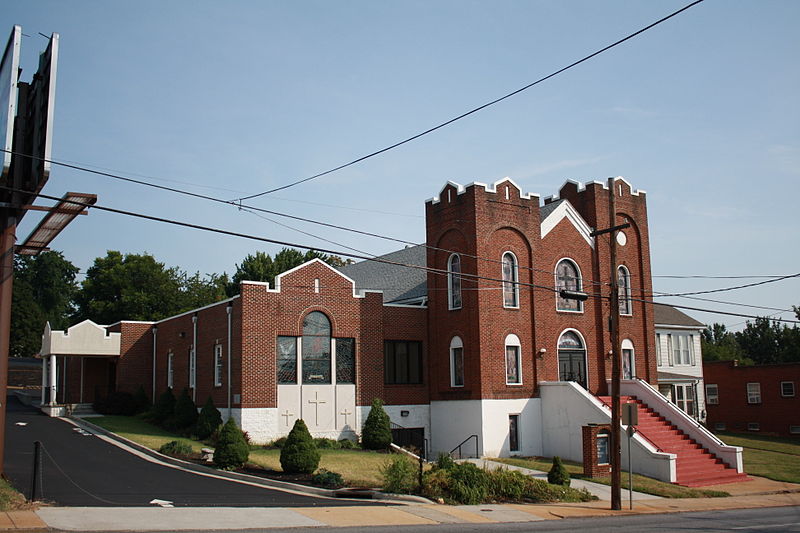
<point x="719" y="426"/>
<point x="402" y="362"/>
<point x="456" y="362"/>
<point x="513" y="433"/>
<point x="345" y="360"/>
<point x="218" y="365"/>
<point x="513" y="360"/>
<point x="510" y="281"/>
<point x="753" y="426"/>
<point x="624" y="291"/>
<point x="287" y="360"/>
<point x="192" y="368"/>
<point x="787" y="389"/>
<point x="171" y="370"/>
<point x="602" y="448"/>
<point x="754" y="393"/>
<point x="712" y="394"/>
<point x="794" y="430"/>
<point x="454" y="282"/>
<point x="682" y="349"/>
<point x="568" y="278"/>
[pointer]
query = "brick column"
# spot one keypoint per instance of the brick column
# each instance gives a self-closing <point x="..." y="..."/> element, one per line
<point x="591" y="465"/>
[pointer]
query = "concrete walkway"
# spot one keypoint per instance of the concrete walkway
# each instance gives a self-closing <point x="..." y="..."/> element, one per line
<point x="226" y="518"/>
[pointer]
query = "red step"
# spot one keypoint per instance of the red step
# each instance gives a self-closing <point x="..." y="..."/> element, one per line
<point x="695" y="465"/>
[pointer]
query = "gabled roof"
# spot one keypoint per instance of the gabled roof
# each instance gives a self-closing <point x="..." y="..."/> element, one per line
<point x="398" y="283"/>
<point x="666" y="315"/>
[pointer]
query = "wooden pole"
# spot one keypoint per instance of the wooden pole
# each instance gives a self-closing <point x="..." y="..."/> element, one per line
<point x="616" y="449"/>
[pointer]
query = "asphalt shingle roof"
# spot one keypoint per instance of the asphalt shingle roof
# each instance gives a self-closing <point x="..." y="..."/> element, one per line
<point x="666" y="315"/>
<point x="397" y="282"/>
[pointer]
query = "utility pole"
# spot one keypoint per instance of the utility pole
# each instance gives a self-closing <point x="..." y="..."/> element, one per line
<point x="616" y="449"/>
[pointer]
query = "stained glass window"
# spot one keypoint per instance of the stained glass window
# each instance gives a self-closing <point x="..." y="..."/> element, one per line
<point x="316" y="348"/>
<point x="287" y="360"/>
<point x="510" y="280"/>
<point x="568" y="278"/>
<point x="345" y="360"/>
<point x="454" y="281"/>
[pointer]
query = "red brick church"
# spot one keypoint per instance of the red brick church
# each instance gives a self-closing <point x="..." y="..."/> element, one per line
<point x="465" y="338"/>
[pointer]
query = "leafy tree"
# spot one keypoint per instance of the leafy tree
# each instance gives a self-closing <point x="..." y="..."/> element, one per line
<point x="767" y="342"/>
<point x="210" y="419"/>
<point x="199" y="291"/>
<point x="377" y="433"/>
<point x="232" y="450"/>
<point x="299" y="454"/>
<point x="262" y="267"/>
<point x="44" y="288"/>
<point x="719" y="344"/>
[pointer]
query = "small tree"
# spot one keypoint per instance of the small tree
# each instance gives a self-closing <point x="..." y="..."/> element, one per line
<point x="208" y="422"/>
<point x="299" y="454"/>
<point x="232" y="450"/>
<point x="376" y="435"/>
<point x="185" y="411"/>
<point x="141" y="400"/>
<point x="164" y="408"/>
<point x="558" y="475"/>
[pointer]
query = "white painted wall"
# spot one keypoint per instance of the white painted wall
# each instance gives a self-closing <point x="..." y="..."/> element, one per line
<point x="693" y="371"/>
<point x="567" y="407"/>
<point x="495" y="436"/>
<point x="259" y="423"/>
<point x="454" y="421"/>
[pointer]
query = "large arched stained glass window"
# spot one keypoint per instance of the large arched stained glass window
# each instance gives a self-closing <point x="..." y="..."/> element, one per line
<point x="316" y="348"/>
<point x="510" y="280"/>
<point x="454" y="282"/>
<point x="624" y="291"/>
<point x="568" y="278"/>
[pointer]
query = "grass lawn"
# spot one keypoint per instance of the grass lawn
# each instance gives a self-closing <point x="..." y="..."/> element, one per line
<point x="358" y="468"/>
<point x="10" y="499"/>
<point x="640" y="483"/>
<point x="769" y="457"/>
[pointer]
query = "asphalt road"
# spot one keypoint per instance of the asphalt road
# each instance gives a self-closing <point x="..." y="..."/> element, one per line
<point x="81" y="469"/>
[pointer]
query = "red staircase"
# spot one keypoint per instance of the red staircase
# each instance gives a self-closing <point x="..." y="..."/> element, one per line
<point x="695" y="465"/>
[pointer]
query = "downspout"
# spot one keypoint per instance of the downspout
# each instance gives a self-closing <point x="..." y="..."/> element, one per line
<point x="194" y="358"/>
<point x="155" y="339"/>
<point x="229" y="310"/>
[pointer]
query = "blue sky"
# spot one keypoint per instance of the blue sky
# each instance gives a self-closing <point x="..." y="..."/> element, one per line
<point x="232" y="98"/>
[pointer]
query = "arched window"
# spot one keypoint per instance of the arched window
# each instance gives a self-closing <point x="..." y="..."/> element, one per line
<point x="513" y="360"/>
<point x="568" y="277"/>
<point x="456" y="362"/>
<point x="624" y="291"/>
<point x="510" y="280"/>
<point x="454" y="282"/>
<point x="572" y="358"/>
<point x="316" y="348"/>
<point x="628" y="360"/>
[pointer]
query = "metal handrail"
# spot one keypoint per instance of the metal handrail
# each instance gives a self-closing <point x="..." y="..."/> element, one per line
<point x="460" y="455"/>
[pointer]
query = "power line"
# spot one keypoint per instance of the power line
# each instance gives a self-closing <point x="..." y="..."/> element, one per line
<point x="725" y="289"/>
<point x="472" y="111"/>
<point x="764" y="276"/>
<point x="437" y="271"/>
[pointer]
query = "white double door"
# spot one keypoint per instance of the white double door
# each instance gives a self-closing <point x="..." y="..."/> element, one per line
<point x="326" y="409"/>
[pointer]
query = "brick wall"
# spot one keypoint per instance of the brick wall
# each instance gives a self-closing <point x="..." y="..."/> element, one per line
<point x="774" y="414"/>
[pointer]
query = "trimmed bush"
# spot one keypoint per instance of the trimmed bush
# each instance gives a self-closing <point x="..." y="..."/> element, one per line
<point x="141" y="400"/>
<point x="327" y="479"/>
<point x="558" y="475"/>
<point x="278" y="443"/>
<point x="176" y="448"/>
<point x="208" y="421"/>
<point x="323" y="443"/>
<point x="185" y="411"/>
<point x="377" y="434"/>
<point x="232" y="450"/>
<point x="164" y="408"/>
<point x="347" y="444"/>
<point x="299" y="455"/>
<point x="399" y="475"/>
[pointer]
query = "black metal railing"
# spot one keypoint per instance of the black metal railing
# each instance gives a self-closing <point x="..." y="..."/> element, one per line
<point x="460" y="447"/>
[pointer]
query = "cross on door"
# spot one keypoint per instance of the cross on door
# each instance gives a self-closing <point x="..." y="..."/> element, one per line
<point x="316" y="401"/>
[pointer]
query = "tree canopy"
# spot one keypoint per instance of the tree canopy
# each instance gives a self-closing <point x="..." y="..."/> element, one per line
<point x="262" y="267"/>
<point x="761" y="342"/>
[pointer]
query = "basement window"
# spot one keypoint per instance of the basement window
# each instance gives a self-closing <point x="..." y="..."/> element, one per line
<point x="720" y="426"/>
<point x="794" y="430"/>
<point x="753" y="426"/>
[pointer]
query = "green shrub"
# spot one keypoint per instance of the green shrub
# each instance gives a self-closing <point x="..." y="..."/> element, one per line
<point x="469" y="484"/>
<point x="399" y="475"/>
<point x="116" y="403"/>
<point x="299" y="455"/>
<point x="278" y="443"/>
<point x="176" y="448"/>
<point x="444" y="461"/>
<point x="558" y="475"/>
<point x="208" y="421"/>
<point x="347" y="444"/>
<point x="376" y="434"/>
<point x="323" y="443"/>
<point x="327" y="479"/>
<point x="185" y="411"/>
<point x="141" y="401"/>
<point x="164" y="408"/>
<point x="232" y="450"/>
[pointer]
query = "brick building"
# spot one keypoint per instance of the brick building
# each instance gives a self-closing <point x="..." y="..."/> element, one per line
<point x="465" y="338"/>
<point x="761" y="399"/>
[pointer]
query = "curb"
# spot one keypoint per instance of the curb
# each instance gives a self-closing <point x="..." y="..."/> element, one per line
<point x="334" y="494"/>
